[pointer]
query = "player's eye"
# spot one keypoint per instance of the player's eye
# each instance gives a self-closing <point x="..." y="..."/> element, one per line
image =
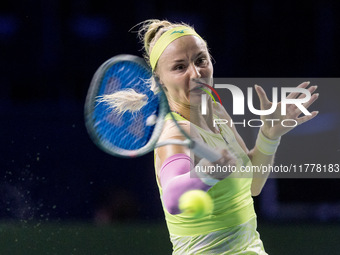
<point x="202" y="61"/>
<point x="179" y="67"/>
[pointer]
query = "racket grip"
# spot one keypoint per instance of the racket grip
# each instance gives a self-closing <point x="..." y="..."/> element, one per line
<point x="203" y="151"/>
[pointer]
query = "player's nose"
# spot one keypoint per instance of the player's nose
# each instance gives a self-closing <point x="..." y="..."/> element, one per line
<point x="195" y="71"/>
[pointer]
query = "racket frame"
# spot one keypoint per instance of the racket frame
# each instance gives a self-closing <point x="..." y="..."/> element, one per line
<point x="199" y="148"/>
<point x="91" y="102"/>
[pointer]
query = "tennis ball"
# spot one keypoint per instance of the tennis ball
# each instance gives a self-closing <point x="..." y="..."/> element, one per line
<point x="196" y="204"/>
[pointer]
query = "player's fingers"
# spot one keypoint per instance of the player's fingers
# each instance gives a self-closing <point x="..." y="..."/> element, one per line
<point x="296" y="94"/>
<point x="313" y="98"/>
<point x="307" y="117"/>
<point x="262" y="96"/>
<point x="297" y="111"/>
<point x="311" y="89"/>
<point x="228" y="158"/>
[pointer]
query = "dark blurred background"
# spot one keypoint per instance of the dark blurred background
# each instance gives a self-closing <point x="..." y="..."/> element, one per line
<point x="49" y="50"/>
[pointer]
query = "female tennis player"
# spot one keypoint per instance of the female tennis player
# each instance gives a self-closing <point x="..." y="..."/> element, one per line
<point x="179" y="58"/>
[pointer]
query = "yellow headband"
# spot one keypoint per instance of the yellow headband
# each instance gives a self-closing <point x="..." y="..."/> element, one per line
<point x="166" y="39"/>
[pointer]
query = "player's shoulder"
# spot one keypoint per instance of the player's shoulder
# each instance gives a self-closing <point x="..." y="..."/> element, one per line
<point x="172" y="131"/>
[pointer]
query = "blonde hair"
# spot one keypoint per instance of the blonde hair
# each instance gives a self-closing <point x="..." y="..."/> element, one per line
<point x="129" y="100"/>
<point x="151" y="30"/>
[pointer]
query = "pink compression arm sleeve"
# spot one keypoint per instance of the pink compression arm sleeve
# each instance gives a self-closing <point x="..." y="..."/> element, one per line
<point x="175" y="180"/>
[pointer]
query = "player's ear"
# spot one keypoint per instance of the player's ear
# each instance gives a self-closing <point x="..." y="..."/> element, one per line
<point x="163" y="87"/>
<point x="159" y="81"/>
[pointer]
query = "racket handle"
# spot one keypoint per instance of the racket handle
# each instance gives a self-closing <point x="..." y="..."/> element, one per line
<point x="203" y="151"/>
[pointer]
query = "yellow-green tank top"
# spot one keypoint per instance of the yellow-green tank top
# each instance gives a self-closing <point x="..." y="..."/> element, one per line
<point x="233" y="204"/>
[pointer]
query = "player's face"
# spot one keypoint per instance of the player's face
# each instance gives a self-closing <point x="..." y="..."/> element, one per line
<point x="181" y="64"/>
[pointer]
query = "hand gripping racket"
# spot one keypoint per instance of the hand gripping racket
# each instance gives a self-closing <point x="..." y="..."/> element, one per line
<point x="131" y="133"/>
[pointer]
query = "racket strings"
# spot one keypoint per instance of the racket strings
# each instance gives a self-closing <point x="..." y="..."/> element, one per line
<point x="123" y="101"/>
<point x="126" y="129"/>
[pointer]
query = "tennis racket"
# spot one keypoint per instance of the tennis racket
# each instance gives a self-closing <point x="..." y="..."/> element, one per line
<point x="131" y="133"/>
